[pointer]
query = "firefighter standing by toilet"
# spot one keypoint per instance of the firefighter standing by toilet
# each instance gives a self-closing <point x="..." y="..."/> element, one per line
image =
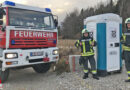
<point x="86" y="43"/>
<point x="125" y="40"/>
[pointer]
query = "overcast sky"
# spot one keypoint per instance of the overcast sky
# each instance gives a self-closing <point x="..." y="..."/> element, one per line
<point x="60" y="7"/>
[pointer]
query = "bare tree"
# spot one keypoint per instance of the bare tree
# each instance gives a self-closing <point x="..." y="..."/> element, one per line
<point x="73" y="23"/>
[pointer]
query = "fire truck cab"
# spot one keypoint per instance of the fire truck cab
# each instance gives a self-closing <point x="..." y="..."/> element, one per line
<point x="28" y="37"/>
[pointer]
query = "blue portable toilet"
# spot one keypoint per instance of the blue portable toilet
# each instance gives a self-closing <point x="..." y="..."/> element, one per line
<point x="106" y="30"/>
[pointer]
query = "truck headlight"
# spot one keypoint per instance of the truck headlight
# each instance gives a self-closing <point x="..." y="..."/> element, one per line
<point x="55" y="52"/>
<point x="11" y="55"/>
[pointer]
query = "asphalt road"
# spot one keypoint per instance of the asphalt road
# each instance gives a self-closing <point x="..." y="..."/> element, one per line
<point x="28" y="79"/>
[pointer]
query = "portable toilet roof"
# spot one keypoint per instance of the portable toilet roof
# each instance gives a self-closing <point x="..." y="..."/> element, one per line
<point x="103" y="18"/>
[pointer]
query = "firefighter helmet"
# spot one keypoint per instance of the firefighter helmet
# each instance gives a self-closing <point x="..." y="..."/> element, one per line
<point x="127" y="21"/>
<point x="85" y="31"/>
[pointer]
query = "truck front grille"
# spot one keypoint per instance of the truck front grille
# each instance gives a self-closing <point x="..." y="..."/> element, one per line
<point x="35" y="60"/>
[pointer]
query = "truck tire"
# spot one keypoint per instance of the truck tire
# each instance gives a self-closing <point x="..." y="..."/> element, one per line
<point x="3" y="74"/>
<point x="42" y="68"/>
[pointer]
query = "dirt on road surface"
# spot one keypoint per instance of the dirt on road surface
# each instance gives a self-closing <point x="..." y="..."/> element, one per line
<point x="27" y="79"/>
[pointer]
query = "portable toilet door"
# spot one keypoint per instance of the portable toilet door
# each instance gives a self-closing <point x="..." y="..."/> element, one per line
<point x="106" y="30"/>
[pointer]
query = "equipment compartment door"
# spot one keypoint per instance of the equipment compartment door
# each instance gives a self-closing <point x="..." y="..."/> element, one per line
<point x="113" y="46"/>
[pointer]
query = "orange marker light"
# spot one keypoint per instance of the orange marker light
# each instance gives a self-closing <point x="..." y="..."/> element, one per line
<point x="8" y="63"/>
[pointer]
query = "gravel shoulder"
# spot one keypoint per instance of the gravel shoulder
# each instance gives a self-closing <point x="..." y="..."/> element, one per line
<point x="27" y="79"/>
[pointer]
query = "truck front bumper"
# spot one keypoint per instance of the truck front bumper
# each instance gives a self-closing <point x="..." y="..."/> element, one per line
<point x="19" y="57"/>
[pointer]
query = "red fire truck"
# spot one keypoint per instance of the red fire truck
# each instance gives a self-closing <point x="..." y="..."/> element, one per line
<point x="28" y="38"/>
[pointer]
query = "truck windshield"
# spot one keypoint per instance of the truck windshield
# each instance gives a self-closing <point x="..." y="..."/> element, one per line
<point x="28" y="18"/>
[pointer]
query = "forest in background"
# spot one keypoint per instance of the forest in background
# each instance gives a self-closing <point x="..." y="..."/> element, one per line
<point x="73" y="23"/>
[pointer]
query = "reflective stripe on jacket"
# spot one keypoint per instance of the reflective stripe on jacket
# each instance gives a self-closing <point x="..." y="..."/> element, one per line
<point x="86" y="47"/>
<point x="123" y="40"/>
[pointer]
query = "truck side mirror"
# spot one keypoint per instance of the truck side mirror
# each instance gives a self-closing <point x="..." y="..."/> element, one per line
<point x="2" y="12"/>
<point x="2" y="25"/>
<point x="1" y="22"/>
<point x="56" y="22"/>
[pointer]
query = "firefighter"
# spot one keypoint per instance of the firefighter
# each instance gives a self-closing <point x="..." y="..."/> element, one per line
<point x="125" y="40"/>
<point x="86" y="43"/>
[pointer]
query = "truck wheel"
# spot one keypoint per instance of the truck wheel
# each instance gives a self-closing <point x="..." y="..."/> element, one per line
<point x="3" y="74"/>
<point x="42" y="68"/>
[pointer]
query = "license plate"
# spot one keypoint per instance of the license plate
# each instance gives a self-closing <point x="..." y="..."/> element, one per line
<point x="36" y="53"/>
<point x="46" y="59"/>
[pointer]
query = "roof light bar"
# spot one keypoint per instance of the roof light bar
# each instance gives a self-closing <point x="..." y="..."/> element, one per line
<point x="9" y="3"/>
<point x="47" y="9"/>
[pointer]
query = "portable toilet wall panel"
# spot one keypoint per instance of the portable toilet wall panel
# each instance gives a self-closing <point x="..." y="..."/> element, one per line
<point x="106" y="29"/>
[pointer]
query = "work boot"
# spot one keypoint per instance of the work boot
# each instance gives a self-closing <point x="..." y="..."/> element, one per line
<point x="95" y="76"/>
<point x="85" y="76"/>
<point x="128" y="80"/>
